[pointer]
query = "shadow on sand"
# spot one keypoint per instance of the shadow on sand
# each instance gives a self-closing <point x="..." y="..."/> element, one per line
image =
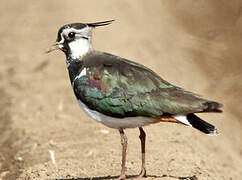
<point x="132" y="176"/>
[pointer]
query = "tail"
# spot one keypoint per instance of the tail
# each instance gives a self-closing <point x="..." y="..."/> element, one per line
<point x="202" y="125"/>
<point x="194" y="121"/>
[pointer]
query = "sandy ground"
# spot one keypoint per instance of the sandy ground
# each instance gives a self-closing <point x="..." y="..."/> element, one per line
<point x="193" y="44"/>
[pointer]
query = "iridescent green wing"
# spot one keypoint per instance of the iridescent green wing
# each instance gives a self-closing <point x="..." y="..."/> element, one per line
<point x="118" y="87"/>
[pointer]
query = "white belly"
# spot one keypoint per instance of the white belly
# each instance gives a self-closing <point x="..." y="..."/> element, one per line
<point x="129" y="122"/>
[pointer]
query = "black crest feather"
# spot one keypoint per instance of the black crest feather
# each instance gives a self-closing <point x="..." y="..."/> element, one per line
<point x="102" y="23"/>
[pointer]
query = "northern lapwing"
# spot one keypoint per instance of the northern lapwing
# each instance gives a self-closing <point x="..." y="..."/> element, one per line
<point x="121" y="94"/>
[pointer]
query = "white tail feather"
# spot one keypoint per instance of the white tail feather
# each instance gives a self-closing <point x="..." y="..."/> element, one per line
<point x="182" y="118"/>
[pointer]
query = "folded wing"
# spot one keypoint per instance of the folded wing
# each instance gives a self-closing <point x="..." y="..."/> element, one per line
<point x="121" y="88"/>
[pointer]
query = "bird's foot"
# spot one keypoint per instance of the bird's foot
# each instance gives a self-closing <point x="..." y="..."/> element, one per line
<point x="141" y="174"/>
<point x="122" y="176"/>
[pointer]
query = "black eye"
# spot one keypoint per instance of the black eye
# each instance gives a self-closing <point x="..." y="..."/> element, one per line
<point x="71" y="35"/>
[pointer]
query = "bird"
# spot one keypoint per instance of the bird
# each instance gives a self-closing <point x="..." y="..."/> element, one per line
<point x="121" y="93"/>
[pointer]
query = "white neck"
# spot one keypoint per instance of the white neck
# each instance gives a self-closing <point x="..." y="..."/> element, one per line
<point x="79" y="47"/>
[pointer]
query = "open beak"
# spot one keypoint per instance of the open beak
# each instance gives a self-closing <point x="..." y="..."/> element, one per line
<point x="103" y="23"/>
<point x="55" y="46"/>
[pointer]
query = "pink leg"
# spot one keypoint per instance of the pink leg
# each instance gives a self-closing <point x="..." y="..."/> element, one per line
<point x="142" y="139"/>
<point x="124" y="143"/>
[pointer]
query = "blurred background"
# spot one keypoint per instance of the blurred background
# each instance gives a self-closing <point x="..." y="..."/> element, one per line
<point x="193" y="44"/>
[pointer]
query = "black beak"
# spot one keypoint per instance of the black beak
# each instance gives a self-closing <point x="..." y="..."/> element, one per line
<point x="103" y="23"/>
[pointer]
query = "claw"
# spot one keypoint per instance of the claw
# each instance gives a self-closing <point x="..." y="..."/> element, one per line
<point x="142" y="174"/>
<point x="121" y="177"/>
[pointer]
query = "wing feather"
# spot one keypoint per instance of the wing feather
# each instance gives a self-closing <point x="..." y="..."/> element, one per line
<point x="118" y="87"/>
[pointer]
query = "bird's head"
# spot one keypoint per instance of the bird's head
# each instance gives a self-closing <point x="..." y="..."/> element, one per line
<point x="75" y="39"/>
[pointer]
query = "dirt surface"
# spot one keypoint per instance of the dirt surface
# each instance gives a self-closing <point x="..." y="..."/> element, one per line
<point x="193" y="44"/>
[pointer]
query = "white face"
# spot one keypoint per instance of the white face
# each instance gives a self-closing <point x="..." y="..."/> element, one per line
<point x="78" y="41"/>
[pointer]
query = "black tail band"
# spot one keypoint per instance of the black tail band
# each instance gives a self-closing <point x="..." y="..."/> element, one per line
<point x="201" y="125"/>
